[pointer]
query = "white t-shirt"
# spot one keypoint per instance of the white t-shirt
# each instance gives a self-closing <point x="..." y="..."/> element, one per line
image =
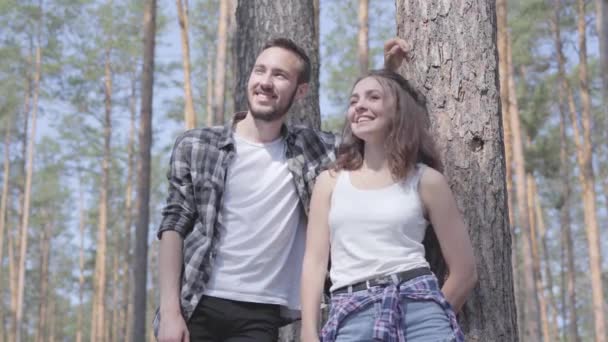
<point x="259" y="255"/>
<point x="375" y="232"/>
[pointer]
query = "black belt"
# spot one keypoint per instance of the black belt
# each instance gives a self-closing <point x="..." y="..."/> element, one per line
<point x="396" y="278"/>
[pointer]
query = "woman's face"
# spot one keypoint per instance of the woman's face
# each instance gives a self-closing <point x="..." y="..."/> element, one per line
<point x="371" y="110"/>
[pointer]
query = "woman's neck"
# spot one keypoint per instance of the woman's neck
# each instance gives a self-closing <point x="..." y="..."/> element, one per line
<point x="374" y="157"/>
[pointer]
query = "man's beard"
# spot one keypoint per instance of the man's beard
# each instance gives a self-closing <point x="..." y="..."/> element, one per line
<point x="274" y="113"/>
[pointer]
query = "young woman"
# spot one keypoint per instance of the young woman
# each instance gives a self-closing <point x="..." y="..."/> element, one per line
<point x="372" y="211"/>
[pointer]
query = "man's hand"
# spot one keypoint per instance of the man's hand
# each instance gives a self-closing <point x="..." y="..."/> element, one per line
<point x="395" y="51"/>
<point x="173" y="328"/>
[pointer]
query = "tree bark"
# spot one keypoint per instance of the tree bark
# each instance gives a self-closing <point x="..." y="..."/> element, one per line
<point x="548" y="275"/>
<point x="602" y="32"/>
<point x="565" y="91"/>
<point x="503" y="71"/>
<point x="184" y="28"/>
<point x="126" y="276"/>
<point x="259" y="21"/>
<point x="458" y="74"/>
<point x="28" y="185"/>
<point x="4" y="199"/>
<point x="143" y="171"/>
<point x="530" y="310"/>
<point x="219" y="89"/>
<point x="43" y="312"/>
<point x="534" y="243"/>
<point x="81" y="226"/>
<point x="99" y="308"/>
<point x="587" y="178"/>
<point x="210" y="115"/>
<point x="362" y="37"/>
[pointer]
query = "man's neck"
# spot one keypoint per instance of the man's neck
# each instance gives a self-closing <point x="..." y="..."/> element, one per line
<point x="258" y="131"/>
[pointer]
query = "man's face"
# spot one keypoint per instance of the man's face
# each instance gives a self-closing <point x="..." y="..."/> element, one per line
<point x="273" y="84"/>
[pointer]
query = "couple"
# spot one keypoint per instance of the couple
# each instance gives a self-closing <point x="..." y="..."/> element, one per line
<point x="242" y="224"/>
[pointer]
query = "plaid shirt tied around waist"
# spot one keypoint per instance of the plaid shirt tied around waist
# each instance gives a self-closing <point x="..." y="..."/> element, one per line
<point x="388" y="326"/>
<point x="197" y="173"/>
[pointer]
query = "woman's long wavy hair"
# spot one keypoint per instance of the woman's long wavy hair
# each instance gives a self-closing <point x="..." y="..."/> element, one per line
<point x="408" y="142"/>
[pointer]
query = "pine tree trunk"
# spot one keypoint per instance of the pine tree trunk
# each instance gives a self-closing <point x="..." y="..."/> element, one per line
<point x="587" y="178"/>
<point x="12" y="274"/>
<point x="219" y="89"/>
<point x="143" y="172"/>
<point x="28" y="188"/>
<point x="362" y="37"/>
<point x="209" y="108"/>
<point x="530" y="310"/>
<point x="548" y="275"/>
<point x="45" y="242"/>
<point x="4" y="200"/>
<point x="503" y="71"/>
<point x="454" y="62"/>
<point x="182" y="14"/>
<point x="12" y="241"/>
<point x="259" y="21"/>
<point x="81" y="228"/>
<point x="602" y="30"/>
<point x="565" y="91"/>
<point x="534" y="243"/>
<point x="126" y="269"/>
<point x="99" y="309"/>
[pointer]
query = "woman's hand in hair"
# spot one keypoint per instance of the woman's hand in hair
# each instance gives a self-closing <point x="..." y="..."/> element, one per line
<point x="395" y="51"/>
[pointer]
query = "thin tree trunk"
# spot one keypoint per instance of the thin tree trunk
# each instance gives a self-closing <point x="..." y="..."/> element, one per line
<point x="459" y="76"/>
<point x="12" y="274"/>
<point x="127" y="307"/>
<point x="587" y="178"/>
<point x="362" y="37"/>
<point x="602" y="30"/>
<point x="81" y="228"/>
<point x="99" y="308"/>
<point x="220" y="64"/>
<point x="530" y="310"/>
<point x="184" y="28"/>
<point x="28" y="186"/>
<point x="293" y="19"/>
<point x="13" y="260"/>
<point x="52" y="318"/>
<point x="45" y="242"/>
<point x="115" y="309"/>
<point x="534" y="243"/>
<point x="565" y="91"/>
<point x="143" y="172"/>
<point x="210" y="115"/>
<point x="544" y="255"/>
<point x="5" y="175"/>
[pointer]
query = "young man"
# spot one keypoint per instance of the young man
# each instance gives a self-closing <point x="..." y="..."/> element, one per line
<point x="232" y="235"/>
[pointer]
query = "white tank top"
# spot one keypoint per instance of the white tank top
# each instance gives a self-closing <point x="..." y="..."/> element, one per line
<point x="259" y="256"/>
<point x="375" y="232"/>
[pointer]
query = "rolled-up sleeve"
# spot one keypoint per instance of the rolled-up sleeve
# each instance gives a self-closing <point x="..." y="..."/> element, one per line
<point x="179" y="213"/>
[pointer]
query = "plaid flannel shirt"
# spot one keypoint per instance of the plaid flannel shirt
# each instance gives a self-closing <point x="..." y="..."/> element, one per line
<point x="388" y="326"/>
<point x="198" y="168"/>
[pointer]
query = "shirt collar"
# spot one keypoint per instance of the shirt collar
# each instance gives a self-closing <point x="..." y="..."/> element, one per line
<point x="227" y="136"/>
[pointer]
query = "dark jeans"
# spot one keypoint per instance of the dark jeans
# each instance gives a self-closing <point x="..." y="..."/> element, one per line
<point x="223" y="320"/>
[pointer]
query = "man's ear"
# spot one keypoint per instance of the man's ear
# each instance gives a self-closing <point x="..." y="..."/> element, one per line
<point x="301" y="91"/>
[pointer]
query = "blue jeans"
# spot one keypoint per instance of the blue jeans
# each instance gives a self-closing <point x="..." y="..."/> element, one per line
<point x="425" y="321"/>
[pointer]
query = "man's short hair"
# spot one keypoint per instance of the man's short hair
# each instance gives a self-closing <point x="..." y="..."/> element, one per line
<point x="290" y="45"/>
